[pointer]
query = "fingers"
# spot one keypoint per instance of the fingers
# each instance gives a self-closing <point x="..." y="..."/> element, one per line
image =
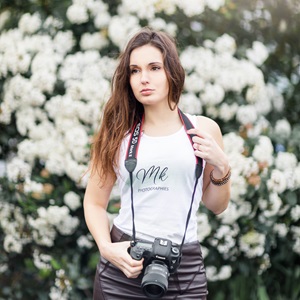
<point x="122" y="260"/>
<point x="198" y="132"/>
<point x="132" y="270"/>
<point x="205" y="146"/>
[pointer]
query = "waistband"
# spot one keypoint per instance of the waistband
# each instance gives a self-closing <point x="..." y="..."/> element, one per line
<point x="117" y="235"/>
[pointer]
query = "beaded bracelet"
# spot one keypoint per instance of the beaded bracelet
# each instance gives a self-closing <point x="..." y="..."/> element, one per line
<point x="221" y="181"/>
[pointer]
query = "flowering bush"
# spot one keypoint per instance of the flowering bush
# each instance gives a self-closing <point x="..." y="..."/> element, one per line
<point x="54" y="79"/>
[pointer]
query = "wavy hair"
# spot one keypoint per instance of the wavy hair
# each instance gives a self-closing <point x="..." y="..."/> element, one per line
<point x="122" y="109"/>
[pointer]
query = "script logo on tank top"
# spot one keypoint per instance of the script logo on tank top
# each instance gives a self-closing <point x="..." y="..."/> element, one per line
<point x="151" y="178"/>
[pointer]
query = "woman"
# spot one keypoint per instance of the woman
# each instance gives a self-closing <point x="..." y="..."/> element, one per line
<point x="155" y="201"/>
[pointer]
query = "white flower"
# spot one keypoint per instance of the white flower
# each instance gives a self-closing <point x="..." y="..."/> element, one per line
<point x="204" y="228"/>
<point x="55" y="163"/>
<point x="41" y="131"/>
<point x="17" y="61"/>
<point x="52" y="24"/>
<point x="31" y="186"/>
<point x="281" y="229"/>
<point x="277" y="182"/>
<point x="265" y="264"/>
<point x="63" y="42"/>
<point x="225" y="240"/>
<point x="225" y="44"/>
<point x="225" y="273"/>
<point x="27" y="150"/>
<point x="230" y="215"/>
<point x="296" y="246"/>
<point x="205" y="64"/>
<point x="238" y="186"/>
<point x="213" y="94"/>
<point x="93" y="41"/>
<point x="233" y="143"/>
<point x="213" y="275"/>
<point x="74" y="170"/>
<point x="166" y="6"/>
<point x="194" y="83"/>
<point x="72" y="200"/>
<point x="77" y="13"/>
<point x="286" y="161"/>
<point x="43" y="233"/>
<point x="263" y="150"/>
<point x="252" y="244"/>
<point x="192" y="7"/>
<point x="187" y="58"/>
<point x="191" y="104"/>
<point x="215" y="4"/>
<point x="3" y="267"/>
<point x="143" y="9"/>
<point x="60" y="218"/>
<point x="99" y="11"/>
<point x="295" y="213"/>
<point x="275" y="96"/>
<point x="5" y="113"/>
<point x="41" y="261"/>
<point x="44" y="81"/>
<point x="2" y="167"/>
<point x="261" y="125"/>
<point x="258" y="54"/>
<point x="44" y="61"/>
<point x="17" y="169"/>
<point x="296" y="177"/>
<point x="120" y="27"/>
<point x="4" y="17"/>
<point x="11" y="244"/>
<point x="295" y="230"/>
<point x="273" y="206"/>
<point x="246" y="114"/>
<point x="227" y="112"/>
<point x="85" y="242"/>
<point x="234" y="211"/>
<point x="161" y="24"/>
<point x="283" y="128"/>
<point x="30" y="23"/>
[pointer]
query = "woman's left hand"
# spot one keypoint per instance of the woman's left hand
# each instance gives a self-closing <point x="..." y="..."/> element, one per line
<point x="208" y="149"/>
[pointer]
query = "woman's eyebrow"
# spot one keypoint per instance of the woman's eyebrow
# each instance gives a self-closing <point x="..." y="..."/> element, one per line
<point x="151" y="63"/>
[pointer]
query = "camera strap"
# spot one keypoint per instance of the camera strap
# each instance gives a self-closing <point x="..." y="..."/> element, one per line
<point x="131" y="162"/>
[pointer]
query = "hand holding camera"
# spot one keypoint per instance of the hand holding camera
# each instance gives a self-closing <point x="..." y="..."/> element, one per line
<point x="160" y="259"/>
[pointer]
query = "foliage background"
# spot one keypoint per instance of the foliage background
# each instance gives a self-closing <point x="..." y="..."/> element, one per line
<point x="243" y="68"/>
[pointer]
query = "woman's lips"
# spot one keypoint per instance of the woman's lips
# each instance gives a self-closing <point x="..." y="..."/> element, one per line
<point x="146" y="92"/>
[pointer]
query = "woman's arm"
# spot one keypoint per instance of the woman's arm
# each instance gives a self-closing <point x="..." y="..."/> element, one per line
<point x="208" y="145"/>
<point x="95" y="205"/>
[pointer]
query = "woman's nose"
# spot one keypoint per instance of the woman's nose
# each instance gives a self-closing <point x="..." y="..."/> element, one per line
<point x="144" y="77"/>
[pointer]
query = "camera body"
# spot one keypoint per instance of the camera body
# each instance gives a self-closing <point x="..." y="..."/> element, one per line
<point x="161" y="249"/>
<point x="161" y="258"/>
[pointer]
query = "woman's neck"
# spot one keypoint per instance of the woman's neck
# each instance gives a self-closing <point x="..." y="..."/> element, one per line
<point x="161" y="122"/>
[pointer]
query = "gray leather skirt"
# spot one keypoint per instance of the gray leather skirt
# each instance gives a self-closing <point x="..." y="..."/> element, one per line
<point x="189" y="282"/>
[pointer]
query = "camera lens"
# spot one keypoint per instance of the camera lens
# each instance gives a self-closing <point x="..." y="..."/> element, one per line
<point x="155" y="280"/>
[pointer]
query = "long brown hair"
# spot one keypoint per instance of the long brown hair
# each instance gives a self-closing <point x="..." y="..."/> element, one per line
<point x="122" y="109"/>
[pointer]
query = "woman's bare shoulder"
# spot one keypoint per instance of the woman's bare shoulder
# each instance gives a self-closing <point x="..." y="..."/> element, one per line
<point x="207" y="124"/>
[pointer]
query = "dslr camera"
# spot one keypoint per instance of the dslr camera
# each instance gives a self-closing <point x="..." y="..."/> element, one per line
<point x="161" y="258"/>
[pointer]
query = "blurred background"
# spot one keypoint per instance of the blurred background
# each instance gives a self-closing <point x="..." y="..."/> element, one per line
<point x="242" y="62"/>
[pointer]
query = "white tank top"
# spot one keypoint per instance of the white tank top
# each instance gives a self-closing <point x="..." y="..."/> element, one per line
<point x="163" y="183"/>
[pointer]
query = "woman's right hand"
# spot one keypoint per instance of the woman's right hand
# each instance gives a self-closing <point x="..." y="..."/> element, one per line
<point x="117" y="254"/>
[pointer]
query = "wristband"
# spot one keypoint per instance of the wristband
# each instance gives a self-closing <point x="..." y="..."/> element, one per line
<point x="221" y="181"/>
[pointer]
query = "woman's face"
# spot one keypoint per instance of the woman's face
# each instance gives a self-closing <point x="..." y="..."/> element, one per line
<point x="148" y="78"/>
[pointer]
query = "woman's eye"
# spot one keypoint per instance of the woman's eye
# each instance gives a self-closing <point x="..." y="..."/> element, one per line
<point x="155" y="68"/>
<point x="133" y="71"/>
